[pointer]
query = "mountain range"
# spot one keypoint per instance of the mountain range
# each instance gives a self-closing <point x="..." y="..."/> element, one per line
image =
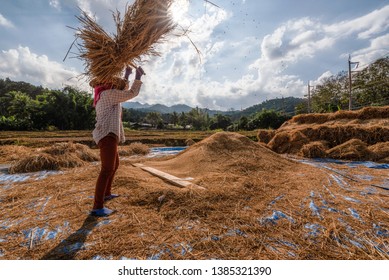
<point x="286" y="105"/>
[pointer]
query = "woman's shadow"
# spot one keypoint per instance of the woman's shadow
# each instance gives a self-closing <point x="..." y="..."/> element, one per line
<point x="69" y="247"/>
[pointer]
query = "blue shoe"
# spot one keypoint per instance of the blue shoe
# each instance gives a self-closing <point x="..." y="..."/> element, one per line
<point x="103" y="212"/>
<point x="109" y="197"/>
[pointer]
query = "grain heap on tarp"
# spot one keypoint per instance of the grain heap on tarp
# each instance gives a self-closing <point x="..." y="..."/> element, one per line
<point x="349" y="135"/>
<point x="145" y="23"/>
<point x="258" y="205"/>
<point x="59" y="155"/>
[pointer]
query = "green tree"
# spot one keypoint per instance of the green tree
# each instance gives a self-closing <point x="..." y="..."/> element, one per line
<point x="371" y="85"/>
<point x="266" y="119"/>
<point x="331" y="95"/>
<point x="183" y="119"/>
<point x="243" y="123"/>
<point x="174" y="118"/>
<point x="153" y="118"/>
<point x="199" y="119"/>
<point x="220" y="121"/>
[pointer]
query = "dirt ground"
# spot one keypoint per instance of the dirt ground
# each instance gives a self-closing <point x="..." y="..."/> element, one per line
<point x="257" y="205"/>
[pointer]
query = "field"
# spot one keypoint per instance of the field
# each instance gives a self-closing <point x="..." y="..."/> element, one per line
<point x="151" y="137"/>
<point x="254" y="203"/>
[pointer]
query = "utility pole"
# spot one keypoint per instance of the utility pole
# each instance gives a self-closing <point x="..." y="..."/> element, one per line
<point x="350" y="81"/>
<point x="309" y="97"/>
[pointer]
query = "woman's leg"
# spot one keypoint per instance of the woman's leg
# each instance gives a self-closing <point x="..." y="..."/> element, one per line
<point x="109" y="185"/>
<point x="108" y="155"/>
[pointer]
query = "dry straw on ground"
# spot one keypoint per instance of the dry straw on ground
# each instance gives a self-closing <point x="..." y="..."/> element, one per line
<point x="10" y="153"/>
<point x="189" y="142"/>
<point x="258" y="205"/>
<point x="60" y="155"/>
<point x="135" y="148"/>
<point x="360" y="129"/>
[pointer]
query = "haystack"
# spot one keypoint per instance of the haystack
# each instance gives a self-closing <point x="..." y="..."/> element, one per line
<point x="381" y="151"/>
<point x="33" y="163"/>
<point x="145" y="24"/>
<point x="363" y="114"/>
<point x="135" y="148"/>
<point x="354" y="149"/>
<point x="189" y="142"/>
<point x="60" y="155"/>
<point x="316" y="149"/>
<point x="288" y="142"/>
<point x="303" y="133"/>
<point x="265" y="135"/>
<point x="10" y="153"/>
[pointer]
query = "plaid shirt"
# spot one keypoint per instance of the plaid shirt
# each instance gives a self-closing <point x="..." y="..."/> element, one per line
<point x="109" y="111"/>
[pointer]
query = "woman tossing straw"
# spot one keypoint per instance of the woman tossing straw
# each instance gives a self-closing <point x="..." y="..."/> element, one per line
<point x="145" y="23"/>
<point x="108" y="133"/>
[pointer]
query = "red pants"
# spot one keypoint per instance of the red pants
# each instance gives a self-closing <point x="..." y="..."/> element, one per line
<point x="109" y="164"/>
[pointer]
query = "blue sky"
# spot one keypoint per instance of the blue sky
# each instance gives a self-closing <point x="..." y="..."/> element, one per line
<point x="251" y="50"/>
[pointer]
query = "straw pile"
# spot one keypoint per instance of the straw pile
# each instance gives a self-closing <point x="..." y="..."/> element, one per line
<point x="258" y="205"/>
<point x="341" y="135"/>
<point x="265" y="135"/>
<point x="189" y="142"/>
<point x="316" y="149"/>
<point x="366" y="113"/>
<point x="381" y="151"/>
<point x="145" y="23"/>
<point x="354" y="149"/>
<point x="134" y="149"/>
<point x="60" y="155"/>
<point x="10" y="153"/>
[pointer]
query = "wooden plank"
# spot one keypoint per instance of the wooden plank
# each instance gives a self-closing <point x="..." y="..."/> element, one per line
<point x="182" y="183"/>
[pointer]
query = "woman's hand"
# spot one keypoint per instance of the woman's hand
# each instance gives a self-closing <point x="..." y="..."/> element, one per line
<point x="139" y="73"/>
<point x="128" y="72"/>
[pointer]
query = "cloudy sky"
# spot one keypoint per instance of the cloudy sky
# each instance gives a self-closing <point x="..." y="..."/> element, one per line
<point x="251" y="50"/>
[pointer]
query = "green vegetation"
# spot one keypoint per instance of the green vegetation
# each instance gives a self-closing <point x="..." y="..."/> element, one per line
<point x="27" y="107"/>
<point x="370" y="87"/>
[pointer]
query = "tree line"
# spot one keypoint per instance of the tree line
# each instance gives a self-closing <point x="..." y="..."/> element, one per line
<point x="370" y="87"/>
<point x="27" y="107"/>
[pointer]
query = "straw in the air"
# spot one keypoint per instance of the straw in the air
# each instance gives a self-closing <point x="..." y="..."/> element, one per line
<point x="145" y="23"/>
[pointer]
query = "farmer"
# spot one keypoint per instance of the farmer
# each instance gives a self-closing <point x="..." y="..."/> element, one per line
<point x="109" y="132"/>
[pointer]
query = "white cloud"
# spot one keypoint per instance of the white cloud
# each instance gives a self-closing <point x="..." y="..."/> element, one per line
<point x="22" y="64"/>
<point x="322" y="78"/>
<point x="55" y="4"/>
<point x="178" y="77"/>
<point x="378" y="48"/>
<point x="265" y="69"/>
<point x="5" y="22"/>
<point x="365" y="26"/>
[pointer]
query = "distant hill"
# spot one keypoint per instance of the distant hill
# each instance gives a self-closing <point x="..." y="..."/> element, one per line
<point x="286" y="105"/>
<point x="157" y="107"/>
<point x="135" y="105"/>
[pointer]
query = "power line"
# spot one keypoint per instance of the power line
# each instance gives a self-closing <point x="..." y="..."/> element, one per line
<point x="371" y="62"/>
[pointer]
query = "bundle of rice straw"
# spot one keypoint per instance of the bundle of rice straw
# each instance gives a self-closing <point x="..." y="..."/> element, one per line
<point x="145" y="23"/>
